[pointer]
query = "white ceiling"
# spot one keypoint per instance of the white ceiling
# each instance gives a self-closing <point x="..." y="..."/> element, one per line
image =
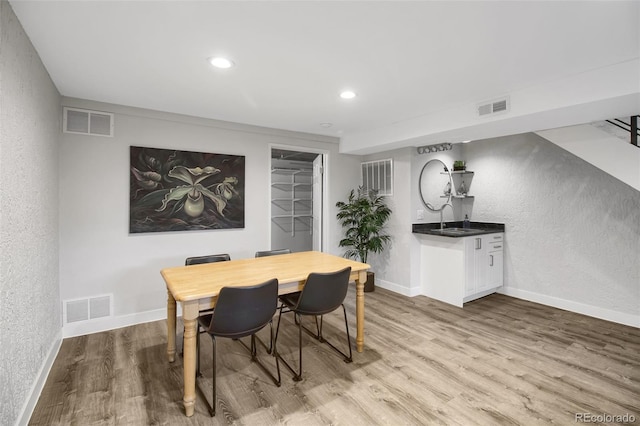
<point x="417" y="67"/>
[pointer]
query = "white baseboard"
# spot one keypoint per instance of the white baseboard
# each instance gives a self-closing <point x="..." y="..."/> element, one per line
<point x="38" y="384"/>
<point x="388" y="285"/>
<point x="568" y="305"/>
<point x="111" y="323"/>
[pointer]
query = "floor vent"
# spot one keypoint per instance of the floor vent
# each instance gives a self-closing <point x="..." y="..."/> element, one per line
<point x="86" y="122"/>
<point x="493" y="107"/>
<point x="78" y="310"/>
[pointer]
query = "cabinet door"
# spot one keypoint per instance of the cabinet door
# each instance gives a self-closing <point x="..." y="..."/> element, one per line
<point x="494" y="277"/>
<point x="475" y="269"/>
<point x="495" y="265"/>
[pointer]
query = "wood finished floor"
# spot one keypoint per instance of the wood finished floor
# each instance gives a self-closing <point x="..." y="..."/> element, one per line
<point x="499" y="360"/>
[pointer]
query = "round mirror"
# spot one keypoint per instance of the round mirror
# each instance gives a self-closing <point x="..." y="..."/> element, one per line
<point x="435" y="185"/>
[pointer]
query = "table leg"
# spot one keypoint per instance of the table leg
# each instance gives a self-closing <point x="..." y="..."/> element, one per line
<point x="190" y="318"/>
<point x="362" y="278"/>
<point x="171" y="327"/>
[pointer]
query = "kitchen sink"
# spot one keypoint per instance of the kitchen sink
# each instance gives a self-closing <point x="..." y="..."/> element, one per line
<point x="458" y="231"/>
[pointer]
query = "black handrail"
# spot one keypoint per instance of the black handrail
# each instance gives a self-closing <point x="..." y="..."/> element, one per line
<point x="632" y="128"/>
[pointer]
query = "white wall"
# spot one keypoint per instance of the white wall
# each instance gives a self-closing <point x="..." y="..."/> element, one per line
<point x="607" y="152"/>
<point x="572" y="235"/>
<point x="29" y="293"/>
<point x="97" y="254"/>
<point x="392" y="267"/>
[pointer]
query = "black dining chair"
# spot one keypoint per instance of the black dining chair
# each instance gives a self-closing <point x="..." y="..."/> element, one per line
<point x="266" y="253"/>
<point x="322" y="293"/>
<point x="199" y="260"/>
<point x="272" y="252"/>
<point x="240" y="312"/>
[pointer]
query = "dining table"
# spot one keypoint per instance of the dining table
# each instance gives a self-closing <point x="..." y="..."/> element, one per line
<point x="196" y="288"/>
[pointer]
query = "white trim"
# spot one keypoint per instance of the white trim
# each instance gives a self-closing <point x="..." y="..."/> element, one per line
<point x="568" y="305"/>
<point x="397" y="288"/>
<point x="110" y="323"/>
<point x="36" y="388"/>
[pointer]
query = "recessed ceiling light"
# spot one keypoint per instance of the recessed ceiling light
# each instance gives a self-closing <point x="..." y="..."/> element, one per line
<point x="347" y="94"/>
<point x="326" y="125"/>
<point x="220" y="62"/>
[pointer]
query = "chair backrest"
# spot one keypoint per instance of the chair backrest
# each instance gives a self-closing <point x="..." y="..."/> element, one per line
<point x="242" y="311"/>
<point x="197" y="260"/>
<point x="323" y="292"/>
<point x="272" y="252"/>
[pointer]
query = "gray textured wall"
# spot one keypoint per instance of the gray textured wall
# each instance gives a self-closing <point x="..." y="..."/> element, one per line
<point x="29" y="293"/>
<point x="573" y="232"/>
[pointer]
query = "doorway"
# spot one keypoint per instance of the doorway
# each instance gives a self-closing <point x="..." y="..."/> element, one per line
<point x="297" y="194"/>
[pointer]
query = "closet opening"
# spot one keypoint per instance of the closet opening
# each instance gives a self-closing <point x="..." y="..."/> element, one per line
<point x="296" y="199"/>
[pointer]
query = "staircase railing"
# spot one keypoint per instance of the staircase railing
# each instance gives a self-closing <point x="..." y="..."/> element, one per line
<point x="631" y="127"/>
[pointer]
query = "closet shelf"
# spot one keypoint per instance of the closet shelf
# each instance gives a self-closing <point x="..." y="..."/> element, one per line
<point x="292" y="198"/>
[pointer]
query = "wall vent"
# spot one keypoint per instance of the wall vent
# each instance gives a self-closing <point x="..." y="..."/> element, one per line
<point x="78" y="310"/>
<point x="378" y="175"/>
<point x="86" y="122"/>
<point x="493" y="107"/>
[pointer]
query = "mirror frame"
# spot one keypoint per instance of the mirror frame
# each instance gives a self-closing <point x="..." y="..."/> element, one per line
<point x="429" y="205"/>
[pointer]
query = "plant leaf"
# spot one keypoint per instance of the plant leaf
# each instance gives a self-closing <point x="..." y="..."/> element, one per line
<point x="219" y="201"/>
<point x="176" y="193"/>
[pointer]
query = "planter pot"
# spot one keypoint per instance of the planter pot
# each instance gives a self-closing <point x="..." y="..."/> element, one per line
<point x="369" y="285"/>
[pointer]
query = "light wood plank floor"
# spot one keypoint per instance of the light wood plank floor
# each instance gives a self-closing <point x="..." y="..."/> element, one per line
<point x="499" y="360"/>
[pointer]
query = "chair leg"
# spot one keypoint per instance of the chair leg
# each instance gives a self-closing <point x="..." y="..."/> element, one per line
<point x="212" y="407"/>
<point x="321" y="338"/>
<point x="270" y="350"/>
<point x="296" y="376"/>
<point x="253" y="350"/>
<point x="299" y="348"/>
<point x="198" y="373"/>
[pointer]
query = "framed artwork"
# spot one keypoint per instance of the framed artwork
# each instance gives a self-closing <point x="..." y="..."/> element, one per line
<point x="172" y="190"/>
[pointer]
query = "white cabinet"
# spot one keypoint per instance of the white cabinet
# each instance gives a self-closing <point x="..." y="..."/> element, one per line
<point x="483" y="265"/>
<point x="495" y="271"/>
<point x="458" y="270"/>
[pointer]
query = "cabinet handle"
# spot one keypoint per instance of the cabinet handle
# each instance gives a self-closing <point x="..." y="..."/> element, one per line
<point x="491" y="260"/>
<point x="478" y="243"/>
<point x="497" y="247"/>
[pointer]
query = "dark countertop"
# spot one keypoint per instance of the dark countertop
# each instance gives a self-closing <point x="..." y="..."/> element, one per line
<point x="453" y="229"/>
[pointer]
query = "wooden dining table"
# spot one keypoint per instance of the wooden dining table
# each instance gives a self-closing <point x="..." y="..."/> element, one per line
<point x="196" y="287"/>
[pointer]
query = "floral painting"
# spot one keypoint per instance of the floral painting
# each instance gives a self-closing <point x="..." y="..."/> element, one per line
<point x="173" y="190"/>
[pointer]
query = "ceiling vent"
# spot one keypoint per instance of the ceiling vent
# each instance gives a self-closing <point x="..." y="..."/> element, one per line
<point x="86" y="122"/>
<point x="496" y="106"/>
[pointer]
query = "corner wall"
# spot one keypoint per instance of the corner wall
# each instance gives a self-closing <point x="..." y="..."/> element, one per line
<point x="572" y="232"/>
<point x="392" y="266"/>
<point x="29" y="291"/>
<point x="97" y="253"/>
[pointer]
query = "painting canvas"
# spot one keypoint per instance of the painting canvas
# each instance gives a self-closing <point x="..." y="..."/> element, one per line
<point x="172" y="190"/>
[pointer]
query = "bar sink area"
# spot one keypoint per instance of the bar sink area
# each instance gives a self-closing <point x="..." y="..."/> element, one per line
<point x="456" y="229"/>
<point x="458" y="264"/>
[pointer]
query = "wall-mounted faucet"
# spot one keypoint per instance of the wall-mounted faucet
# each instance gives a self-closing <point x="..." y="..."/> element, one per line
<point x="441" y="214"/>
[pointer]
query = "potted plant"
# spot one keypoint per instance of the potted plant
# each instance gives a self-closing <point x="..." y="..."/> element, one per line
<point x="459" y="165"/>
<point x="363" y="217"/>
